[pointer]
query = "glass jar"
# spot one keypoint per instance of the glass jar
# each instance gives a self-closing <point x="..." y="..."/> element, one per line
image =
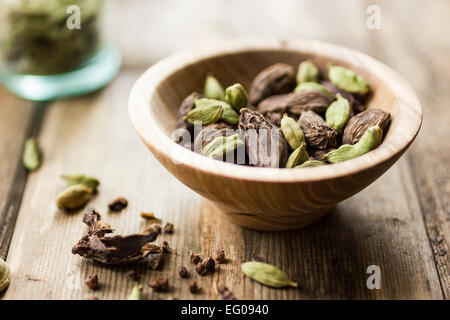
<point x="54" y="48"/>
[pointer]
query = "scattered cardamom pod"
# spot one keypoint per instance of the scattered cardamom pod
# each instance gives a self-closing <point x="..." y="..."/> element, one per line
<point x="213" y="89"/>
<point x="311" y="163"/>
<point x="292" y="132"/>
<point x="338" y="114"/>
<point x="31" y="155"/>
<point x="220" y="146"/>
<point x="5" y="275"/>
<point x="229" y="115"/>
<point x="267" y="274"/>
<point x="308" y="86"/>
<point x="73" y="197"/>
<point x="206" y="114"/>
<point x="236" y="96"/>
<point x="83" y="179"/>
<point x="370" y="140"/>
<point x="137" y="294"/>
<point x="348" y="80"/>
<point x="298" y="156"/>
<point x="359" y="124"/>
<point x="307" y="72"/>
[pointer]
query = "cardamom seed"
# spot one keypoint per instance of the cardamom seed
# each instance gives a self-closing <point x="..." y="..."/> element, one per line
<point x="83" y="179"/>
<point x="276" y="79"/>
<point x="298" y="156"/>
<point x="311" y="163"/>
<point x="370" y="140"/>
<point x="213" y="89"/>
<point x="348" y="80"/>
<point x="307" y="72"/>
<point x="313" y="100"/>
<point x="220" y="146"/>
<point x="236" y="96"/>
<point x="318" y="133"/>
<point x="338" y="114"/>
<point x="229" y="115"/>
<point x="292" y="132"/>
<point x="359" y="124"/>
<point x="137" y="294"/>
<point x="73" y="197"/>
<point x="267" y="274"/>
<point x="5" y="275"/>
<point x="205" y="113"/>
<point x="308" y="86"/>
<point x="31" y="155"/>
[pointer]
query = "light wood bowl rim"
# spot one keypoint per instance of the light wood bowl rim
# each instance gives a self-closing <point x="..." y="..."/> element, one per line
<point x="159" y="143"/>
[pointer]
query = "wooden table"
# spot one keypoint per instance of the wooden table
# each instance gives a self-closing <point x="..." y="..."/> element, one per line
<point x="400" y="223"/>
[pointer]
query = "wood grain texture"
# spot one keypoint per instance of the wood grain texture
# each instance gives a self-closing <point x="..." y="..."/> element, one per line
<point x="15" y="126"/>
<point x="382" y="224"/>
<point x="328" y="259"/>
<point x="267" y="198"/>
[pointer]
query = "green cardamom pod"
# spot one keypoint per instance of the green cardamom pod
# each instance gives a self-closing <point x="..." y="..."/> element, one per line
<point x="297" y="157"/>
<point x="213" y="89"/>
<point x="31" y="155"/>
<point x="292" y="132"/>
<point x="307" y="72"/>
<point x="205" y="115"/>
<point x="137" y="294"/>
<point x="308" y="86"/>
<point x="267" y="274"/>
<point x="73" y="197"/>
<point x="83" y="179"/>
<point x="311" y="163"/>
<point x="5" y="275"/>
<point x="370" y="140"/>
<point x="220" y="146"/>
<point x="229" y="115"/>
<point x="338" y="113"/>
<point x="236" y="96"/>
<point x="347" y="80"/>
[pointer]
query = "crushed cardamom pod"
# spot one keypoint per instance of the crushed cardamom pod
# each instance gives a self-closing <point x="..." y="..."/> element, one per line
<point x="150" y="216"/>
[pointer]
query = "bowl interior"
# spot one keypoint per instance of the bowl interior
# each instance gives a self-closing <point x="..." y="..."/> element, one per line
<point x="242" y="67"/>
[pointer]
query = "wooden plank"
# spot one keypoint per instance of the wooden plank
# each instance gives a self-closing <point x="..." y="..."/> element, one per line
<point x="16" y="117"/>
<point x="93" y="135"/>
<point x="421" y="54"/>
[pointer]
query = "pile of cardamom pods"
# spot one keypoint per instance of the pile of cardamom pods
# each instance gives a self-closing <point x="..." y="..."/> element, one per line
<point x="289" y="119"/>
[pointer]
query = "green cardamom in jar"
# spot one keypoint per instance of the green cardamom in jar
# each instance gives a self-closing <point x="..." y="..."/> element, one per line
<point x="311" y="163"/>
<point x="83" y="179"/>
<point x="213" y="89"/>
<point x="292" y="132"/>
<point x="307" y="72"/>
<point x="31" y="155"/>
<point x="236" y="96"/>
<point x="347" y="80"/>
<point x="308" y="86"/>
<point x="136" y="293"/>
<point x="267" y="274"/>
<point x="220" y="146"/>
<point x="298" y="156"/>
<point x="205" y="115"/>
<point x="338" y="113"/>
<point x="73" y="197"/>
<point x="370" y="140"/>
<point x="5" y="275"/>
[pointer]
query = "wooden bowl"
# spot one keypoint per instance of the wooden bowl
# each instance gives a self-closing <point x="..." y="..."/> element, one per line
<point x="262" y="198"/>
